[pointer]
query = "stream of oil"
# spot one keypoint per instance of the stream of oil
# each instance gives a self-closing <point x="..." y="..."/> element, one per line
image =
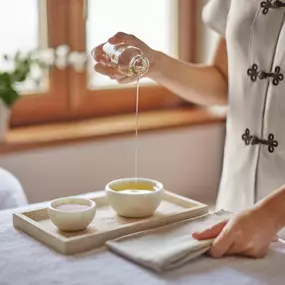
<point x="137" y="129"/>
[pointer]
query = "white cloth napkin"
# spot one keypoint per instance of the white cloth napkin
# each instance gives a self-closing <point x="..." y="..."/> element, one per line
<point x="169" y="246"/>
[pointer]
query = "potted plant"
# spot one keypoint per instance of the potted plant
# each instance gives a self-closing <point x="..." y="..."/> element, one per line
<point x="17" y="71"/>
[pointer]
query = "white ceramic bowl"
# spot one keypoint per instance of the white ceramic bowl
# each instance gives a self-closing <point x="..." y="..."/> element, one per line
<point x="134" y="205"/>
<point x="71" y="220"/>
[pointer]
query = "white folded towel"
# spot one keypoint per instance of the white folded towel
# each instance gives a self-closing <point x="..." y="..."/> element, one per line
<point x="169" y="246"/>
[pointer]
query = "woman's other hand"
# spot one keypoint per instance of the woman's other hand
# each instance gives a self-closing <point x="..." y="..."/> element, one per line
<point x="248" y="233"/>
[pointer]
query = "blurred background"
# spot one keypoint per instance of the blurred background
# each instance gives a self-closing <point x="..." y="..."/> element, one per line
<point x="72" y="130"/>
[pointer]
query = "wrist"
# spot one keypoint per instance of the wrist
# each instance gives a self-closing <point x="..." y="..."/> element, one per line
<point x="272" y="211"/>
<point x="156" y="59"/>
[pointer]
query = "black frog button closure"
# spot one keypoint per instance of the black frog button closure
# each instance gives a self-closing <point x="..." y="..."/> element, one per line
<point x="271" y="4"/>
<point x="250" y="139"/>
<point x="254" y="73"/>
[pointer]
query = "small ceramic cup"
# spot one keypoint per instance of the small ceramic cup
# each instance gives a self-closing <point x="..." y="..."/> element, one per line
<point x="134" y="204"/>
<point x="71" y="220"/>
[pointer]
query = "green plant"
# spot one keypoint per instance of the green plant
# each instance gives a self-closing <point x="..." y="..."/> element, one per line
<point x="22" y="64"/>
<point x="20" y="71"/>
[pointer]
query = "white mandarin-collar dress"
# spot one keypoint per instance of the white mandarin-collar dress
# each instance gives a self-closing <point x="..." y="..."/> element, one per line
<point x="254" y="156"/>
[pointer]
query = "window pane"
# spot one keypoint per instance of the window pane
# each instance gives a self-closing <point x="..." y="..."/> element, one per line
<point x="153" y="21"/>
<point x="23" y="28"/>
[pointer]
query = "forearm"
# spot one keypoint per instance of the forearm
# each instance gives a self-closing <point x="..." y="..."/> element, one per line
<point x="274" y="207"/>
<point x="201" y="84"/>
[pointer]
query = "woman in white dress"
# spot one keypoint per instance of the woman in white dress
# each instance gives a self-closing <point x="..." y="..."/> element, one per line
<point x="247" y="74"/>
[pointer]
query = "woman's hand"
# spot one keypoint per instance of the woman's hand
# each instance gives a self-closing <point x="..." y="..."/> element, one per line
<point x="248" y="233"/>
<point x="103" y="65"/>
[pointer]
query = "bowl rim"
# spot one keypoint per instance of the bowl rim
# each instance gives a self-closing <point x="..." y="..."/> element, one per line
<point x="156" y="182"/>
<point x="53" y="208"/>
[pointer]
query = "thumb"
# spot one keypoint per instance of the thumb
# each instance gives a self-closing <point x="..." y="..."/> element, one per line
<point x="222" y="243"/>
<point x="211" y="232"/>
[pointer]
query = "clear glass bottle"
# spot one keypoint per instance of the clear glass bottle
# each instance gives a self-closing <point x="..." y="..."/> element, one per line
<point x="128" y="60"/>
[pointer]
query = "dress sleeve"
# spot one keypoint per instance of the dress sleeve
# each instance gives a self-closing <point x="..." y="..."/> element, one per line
<point x="215" y="15"/>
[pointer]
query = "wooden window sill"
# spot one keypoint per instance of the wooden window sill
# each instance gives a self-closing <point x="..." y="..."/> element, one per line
<point x="28" y="138"/>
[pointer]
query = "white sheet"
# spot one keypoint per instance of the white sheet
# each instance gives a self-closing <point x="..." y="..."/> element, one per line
<point x="27" y="262"/>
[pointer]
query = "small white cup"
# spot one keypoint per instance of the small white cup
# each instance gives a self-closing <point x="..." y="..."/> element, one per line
<point x="71" y="220"/>
<point x="134" y="205"/>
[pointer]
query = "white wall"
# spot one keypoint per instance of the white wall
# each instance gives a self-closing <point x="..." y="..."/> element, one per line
<point x="186" y="160"/>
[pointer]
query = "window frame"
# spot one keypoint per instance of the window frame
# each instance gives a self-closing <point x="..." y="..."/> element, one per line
<point x="37" y="108"/>
<point x="69" y="97"/>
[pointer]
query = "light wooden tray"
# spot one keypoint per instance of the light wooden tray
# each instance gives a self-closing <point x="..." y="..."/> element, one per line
<point x="106" y="225"/>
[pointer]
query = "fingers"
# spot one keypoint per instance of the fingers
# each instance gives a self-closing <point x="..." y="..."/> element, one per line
<point x="122" y="38"/>
<point x="126" y="79"/>
<point x="97" y="52"/>
<point x="105" y="66"/>
<point x="106" y="70"/>
<point x="222" y="243"/>
<point x="100" y="56"/>
<point x="113" y="74"/>
<point x="210" y="233"/>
